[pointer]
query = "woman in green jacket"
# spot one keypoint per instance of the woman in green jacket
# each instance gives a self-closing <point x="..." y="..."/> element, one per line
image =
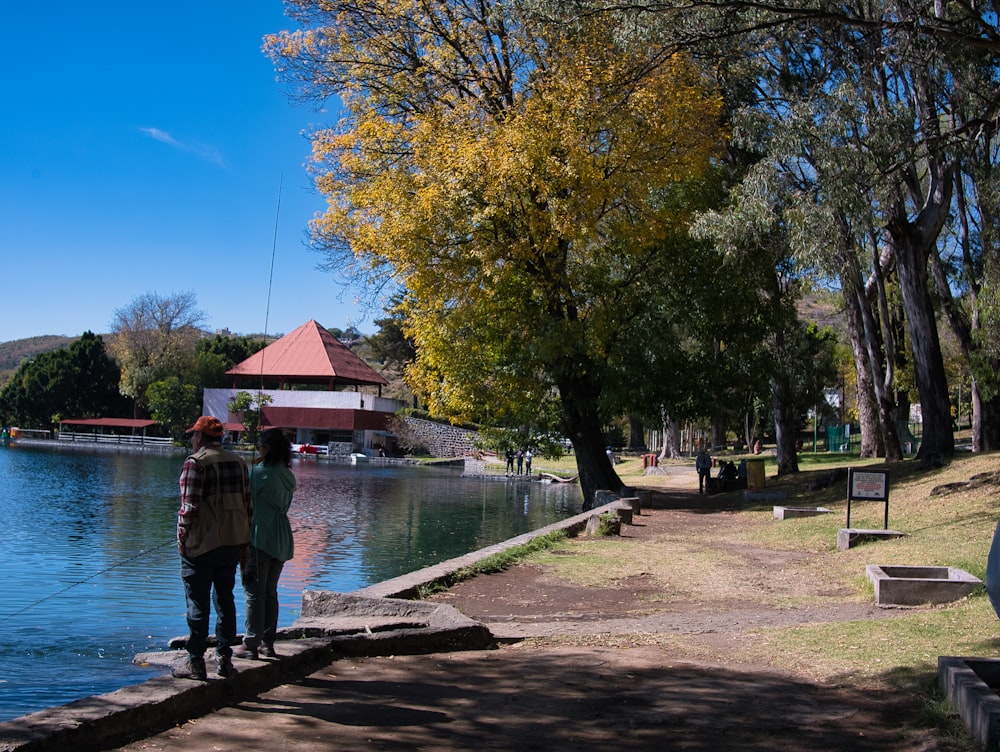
<point x="271" y="486"/>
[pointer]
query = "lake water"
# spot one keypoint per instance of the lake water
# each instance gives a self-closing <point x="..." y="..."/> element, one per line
<point x="91" y="573"/>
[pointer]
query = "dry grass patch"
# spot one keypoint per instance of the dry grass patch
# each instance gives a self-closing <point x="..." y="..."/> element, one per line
<point x="948" y="520"/>
<point x="681" y="569"/>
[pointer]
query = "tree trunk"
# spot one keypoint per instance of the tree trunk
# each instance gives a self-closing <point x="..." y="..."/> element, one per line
<point x="872" y="444"/>
<point x="784" y="426"/>
<point x="931" y="188"/>
<point x="985" y="421"/>
<point x="985" y="413"/>
<point x="579" y="398"/>
<point x="874" y="352"/>
<point x="938" y="439"/>
<point x="782" y="403"/>
<point x="718" y="433"/>
<point x="636" y="434"/>
<point x="750" y="423"/>
<point x="671" y="436"/>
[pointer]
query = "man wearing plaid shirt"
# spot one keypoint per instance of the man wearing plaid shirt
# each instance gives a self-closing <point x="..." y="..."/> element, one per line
<point x="213" y="529"/>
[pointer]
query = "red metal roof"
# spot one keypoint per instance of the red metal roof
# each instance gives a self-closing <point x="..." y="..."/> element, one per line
<point x="308" y="352"/>
<point x="110" y="422"/>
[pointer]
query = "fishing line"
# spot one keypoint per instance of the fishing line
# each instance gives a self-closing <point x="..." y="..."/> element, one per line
<point x="267" y="314"/>
<point x="270" y="280"/>
<point x="87" y="579"/>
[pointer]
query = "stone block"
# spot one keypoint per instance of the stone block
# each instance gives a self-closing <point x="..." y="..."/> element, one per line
<point x="849" y="537"/>
<point x="634" y="502"/>
<point x="624" y="512"/>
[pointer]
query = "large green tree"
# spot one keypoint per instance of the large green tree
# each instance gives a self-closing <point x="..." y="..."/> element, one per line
<point x="76" y="381"/>
<point x="508" y="174"/>
<point x="173" y="404"/>
<point x="216" y="355"/>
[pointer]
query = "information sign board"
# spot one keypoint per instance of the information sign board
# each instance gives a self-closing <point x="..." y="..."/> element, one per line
<point x="868" y="485"/>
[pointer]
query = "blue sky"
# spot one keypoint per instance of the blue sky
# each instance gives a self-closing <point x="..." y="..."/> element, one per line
<point x="143" y="148"/>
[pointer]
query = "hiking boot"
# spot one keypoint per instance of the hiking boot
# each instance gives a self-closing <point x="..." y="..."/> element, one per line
<point x="247" y="654"/>
<point x="192" y="667"/>
<point x="225" y="666"/>
<point x="269" y="651"/>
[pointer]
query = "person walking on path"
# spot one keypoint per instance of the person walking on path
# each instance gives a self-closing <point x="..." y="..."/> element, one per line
<point x="213" y="528"/>
<point x="703" y="464"/>
<point x="271" y="487"/>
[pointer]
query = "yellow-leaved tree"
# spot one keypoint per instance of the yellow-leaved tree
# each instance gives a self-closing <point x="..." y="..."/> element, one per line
<point x="509" y="175"/>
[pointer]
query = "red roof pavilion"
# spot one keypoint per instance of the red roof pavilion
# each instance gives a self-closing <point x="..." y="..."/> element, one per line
<point x="307" y="355"/>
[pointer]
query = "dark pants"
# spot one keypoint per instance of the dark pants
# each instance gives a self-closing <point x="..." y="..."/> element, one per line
<point x="209" y="580"/>
<point x="703" y="480"/>
<point x="260" y="585"/>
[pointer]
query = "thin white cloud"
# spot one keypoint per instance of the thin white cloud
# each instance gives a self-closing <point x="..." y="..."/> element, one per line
<point x="204" y="151"/>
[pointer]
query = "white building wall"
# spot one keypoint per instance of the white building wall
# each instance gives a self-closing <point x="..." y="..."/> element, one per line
<point x="217" y="400"/>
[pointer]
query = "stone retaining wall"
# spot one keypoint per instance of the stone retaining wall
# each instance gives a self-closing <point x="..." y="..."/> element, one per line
<point x="442" y="440"/>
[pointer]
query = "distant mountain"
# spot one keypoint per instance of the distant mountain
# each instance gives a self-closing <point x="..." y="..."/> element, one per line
<point x="824" y="308"/>
<point x="13" y="352"/>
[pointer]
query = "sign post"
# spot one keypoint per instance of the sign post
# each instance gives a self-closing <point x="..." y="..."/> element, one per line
<point x="868" y="485"/>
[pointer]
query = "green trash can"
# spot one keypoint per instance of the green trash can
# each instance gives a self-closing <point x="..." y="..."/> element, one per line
<point x="755" y="473"/>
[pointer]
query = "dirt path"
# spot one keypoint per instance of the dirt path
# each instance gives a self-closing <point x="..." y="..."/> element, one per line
<point x="594" y="668"/>
<point x="708" y="618"/>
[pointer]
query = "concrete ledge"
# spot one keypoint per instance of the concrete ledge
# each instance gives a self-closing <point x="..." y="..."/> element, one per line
<point x="787" y="513"/>
<point x="332" y="625"/>
<point x="849" y="537"/>
<point x="409" y="585"/>
<point x="971" y="685"/>
<point x="918" y="586"/>
<point x="112" y="719"/>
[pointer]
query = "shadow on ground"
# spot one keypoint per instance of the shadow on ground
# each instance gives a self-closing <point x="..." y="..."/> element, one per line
<point x="518" y="699"/>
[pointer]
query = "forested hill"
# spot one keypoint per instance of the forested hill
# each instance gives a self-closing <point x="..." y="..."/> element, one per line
<point x="13" y="352"/>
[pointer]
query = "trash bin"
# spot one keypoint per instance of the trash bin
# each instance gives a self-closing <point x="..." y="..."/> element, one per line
<point x="755" y="473"/>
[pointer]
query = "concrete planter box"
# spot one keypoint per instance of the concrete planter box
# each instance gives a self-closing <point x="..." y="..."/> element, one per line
<point x="971" y="685"/>
<point x="787" y="513"/>
<point x="917" y="586"/>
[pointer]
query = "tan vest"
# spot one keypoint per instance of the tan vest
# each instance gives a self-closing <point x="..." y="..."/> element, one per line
<point x="223" y="516"/>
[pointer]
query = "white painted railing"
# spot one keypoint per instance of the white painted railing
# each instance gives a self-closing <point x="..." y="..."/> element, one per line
<point x="110" y="438"/>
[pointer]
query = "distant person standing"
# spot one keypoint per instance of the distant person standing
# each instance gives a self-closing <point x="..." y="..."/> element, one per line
<point x="510" y="461"/>
<point x="213" y="527"/>
<point x="703" y="464"/>
<point x="527" y="461"/>
<point x="520" y="461"/>
<point x="271" y="487"/>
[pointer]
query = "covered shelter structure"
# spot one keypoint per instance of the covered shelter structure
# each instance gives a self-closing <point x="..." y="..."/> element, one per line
<point x="109" y="431"/>
<point x="315" y="388"/>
